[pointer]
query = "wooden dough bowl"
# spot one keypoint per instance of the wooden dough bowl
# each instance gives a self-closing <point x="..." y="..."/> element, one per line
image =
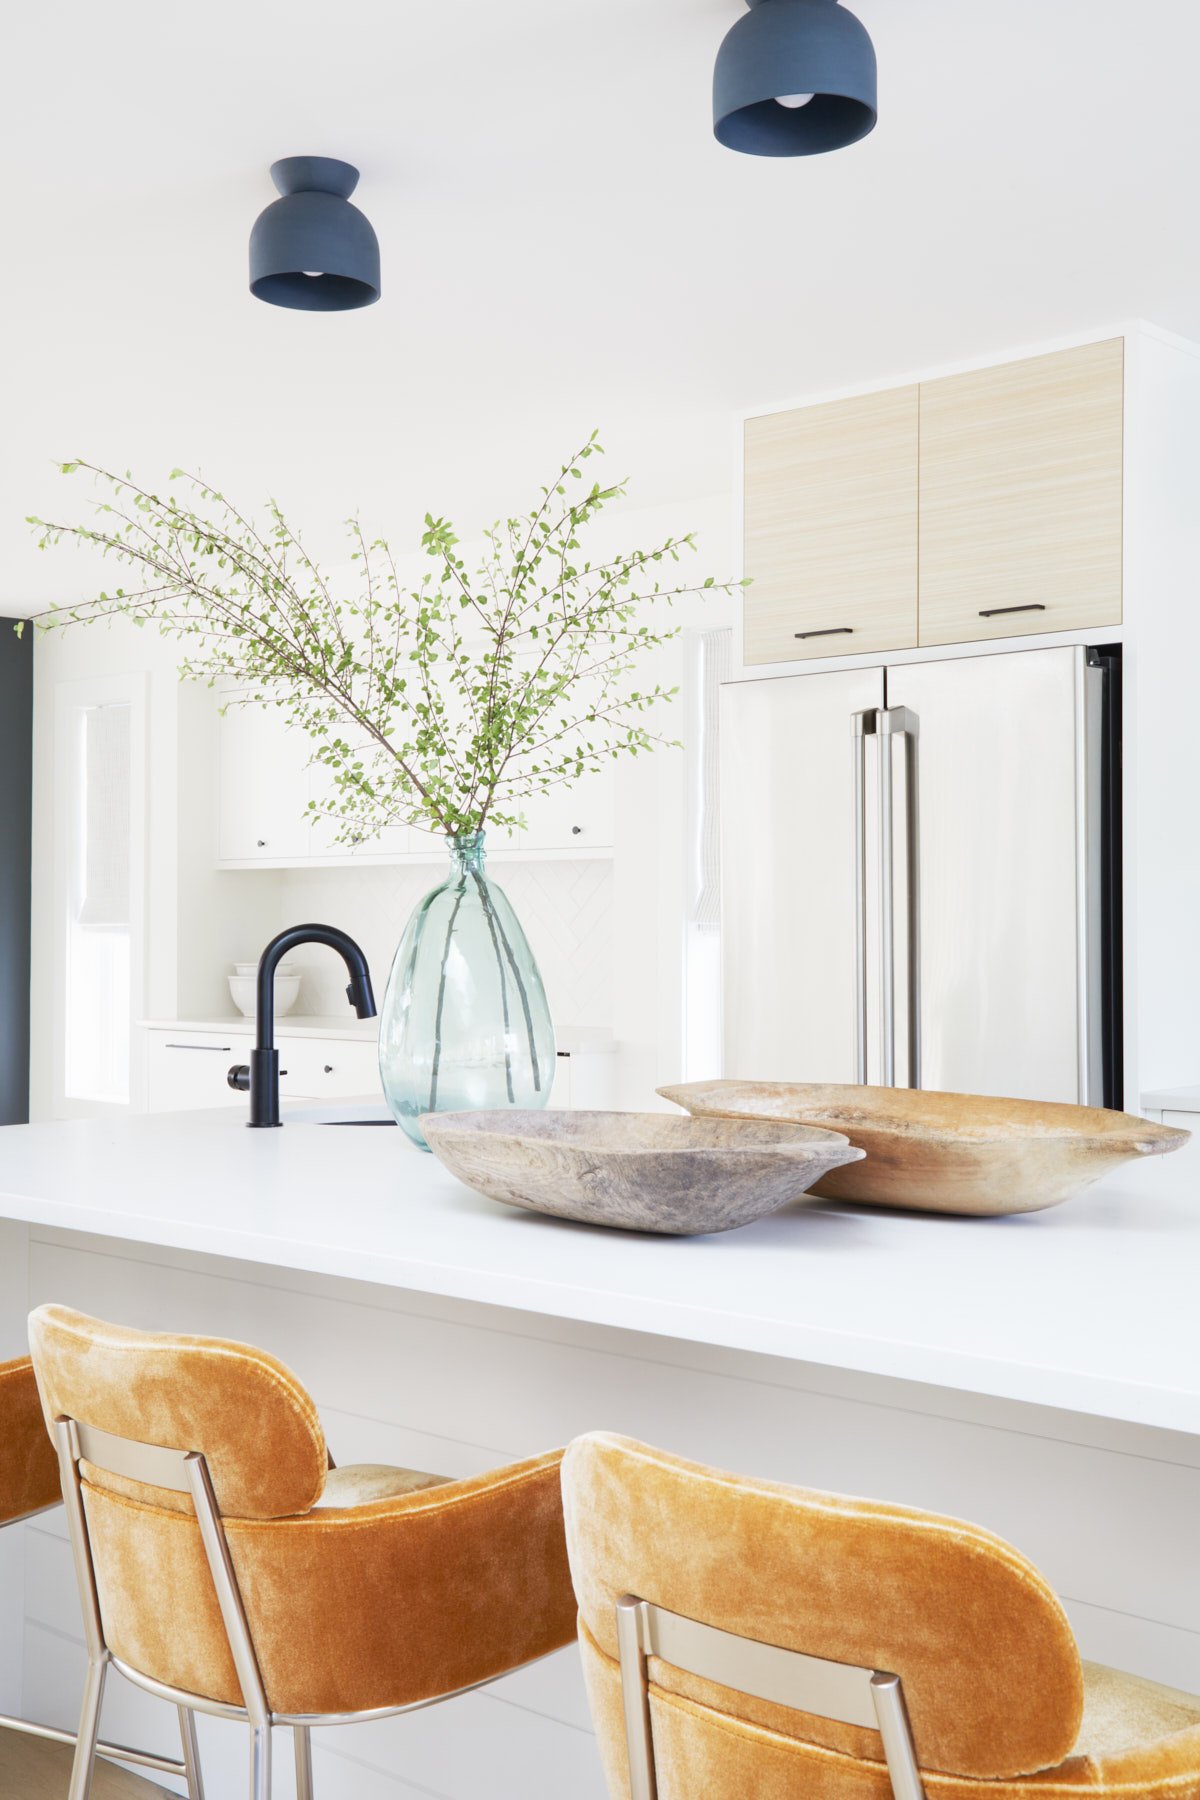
<point x="947" y="1153"/>
<point x="637" y="1171"/>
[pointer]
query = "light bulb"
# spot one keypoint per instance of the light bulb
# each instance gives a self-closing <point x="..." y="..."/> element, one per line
<point x="793" y="100"/>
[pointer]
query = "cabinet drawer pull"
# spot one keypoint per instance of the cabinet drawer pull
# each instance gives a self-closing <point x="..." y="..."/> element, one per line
<point x="996" y="612"/>
<point x="829" y="631"/>
<point x="223" y="1049"/>
<point x="329" y="1068"/>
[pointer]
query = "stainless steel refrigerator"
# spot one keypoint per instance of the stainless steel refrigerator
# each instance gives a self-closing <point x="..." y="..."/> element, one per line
<point x="920" y="876"/>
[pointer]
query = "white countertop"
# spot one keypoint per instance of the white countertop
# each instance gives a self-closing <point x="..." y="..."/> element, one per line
<point x="570" y="1040"/>
<point x="306" y="1025"/>
<point x="1184" y="1099"/>
<point x="1091" y="1306"/>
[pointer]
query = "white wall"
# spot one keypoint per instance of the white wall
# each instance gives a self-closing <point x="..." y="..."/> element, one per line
<point x="566" y="909"/>
<point x="1162" y="751"/>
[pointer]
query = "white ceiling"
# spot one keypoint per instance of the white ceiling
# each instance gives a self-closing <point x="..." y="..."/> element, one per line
<point x="564" y="243"/>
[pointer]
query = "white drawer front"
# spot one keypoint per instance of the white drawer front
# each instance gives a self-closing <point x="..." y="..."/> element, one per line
<point x="186" y="1070"/>
<point x="328" y="1069"/>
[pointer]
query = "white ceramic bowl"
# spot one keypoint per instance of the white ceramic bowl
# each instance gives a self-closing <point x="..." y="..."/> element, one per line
<point x="251" y="969"/>
<point x="244" y="988"/>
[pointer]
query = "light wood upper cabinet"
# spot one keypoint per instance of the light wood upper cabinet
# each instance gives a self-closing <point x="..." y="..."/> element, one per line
<point x="1021" y="497"/>
<point x="831" y="528"/>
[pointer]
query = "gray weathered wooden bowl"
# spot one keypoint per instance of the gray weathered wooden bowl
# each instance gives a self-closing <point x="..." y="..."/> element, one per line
<point x="638" y="1171"/>
<point x="946" y="1153"/>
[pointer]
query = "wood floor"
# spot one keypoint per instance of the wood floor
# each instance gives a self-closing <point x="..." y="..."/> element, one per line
<point x="33" y="1770"/>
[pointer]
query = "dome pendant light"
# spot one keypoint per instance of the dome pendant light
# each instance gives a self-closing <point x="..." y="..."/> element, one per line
<point x="794" y="78"/>
<point x="311" y="249"/>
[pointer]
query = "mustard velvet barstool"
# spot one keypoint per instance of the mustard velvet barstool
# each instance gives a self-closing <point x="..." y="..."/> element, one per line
<point x="29" y="1485"/>
<point x="225" y="1566"/>
<point x="741" y="1638"/>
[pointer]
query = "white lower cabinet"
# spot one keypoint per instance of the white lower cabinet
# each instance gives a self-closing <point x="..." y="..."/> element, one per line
<point x="188" y="1069"/>
<point x="584" y="1080"/>
<point x="328" y="1069"/>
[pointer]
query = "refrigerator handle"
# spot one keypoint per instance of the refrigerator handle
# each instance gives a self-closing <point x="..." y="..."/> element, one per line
<point x="900" y="721"/>
<point x="863" y="725"/>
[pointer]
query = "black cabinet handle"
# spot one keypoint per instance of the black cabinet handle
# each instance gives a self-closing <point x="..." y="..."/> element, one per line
<point x="576" y="830"/>
<point x="223" y="1049"/>
<point x="996" y="612"/>
<point x="829" y="631"/>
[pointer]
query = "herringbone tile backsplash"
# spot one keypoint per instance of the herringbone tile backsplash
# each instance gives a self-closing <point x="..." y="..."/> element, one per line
<point x="565" y="907"/>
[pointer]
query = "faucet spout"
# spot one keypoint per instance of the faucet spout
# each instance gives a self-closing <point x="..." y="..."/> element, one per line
<point x="263" y="1074"/>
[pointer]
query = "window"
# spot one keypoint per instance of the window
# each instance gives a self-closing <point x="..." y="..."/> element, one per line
<point x="100" y="813"/>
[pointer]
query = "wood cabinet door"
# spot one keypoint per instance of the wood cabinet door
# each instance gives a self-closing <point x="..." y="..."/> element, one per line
<point x="831" y="528"/>
<point x="1021" y="497"/>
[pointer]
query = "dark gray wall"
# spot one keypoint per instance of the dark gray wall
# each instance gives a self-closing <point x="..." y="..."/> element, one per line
<point x="16" y="813"/>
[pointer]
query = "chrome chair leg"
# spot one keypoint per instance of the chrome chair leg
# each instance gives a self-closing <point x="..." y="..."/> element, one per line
<point x="191" y="1754"/>
<point x="260" y="1763"/>
<point x="89" y="1730"/>
<point x="304" y="1774"/>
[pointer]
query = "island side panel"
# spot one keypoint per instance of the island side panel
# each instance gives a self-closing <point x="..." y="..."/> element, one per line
<point x="14" y="1290"/>
<point x="1106" y="1510"/>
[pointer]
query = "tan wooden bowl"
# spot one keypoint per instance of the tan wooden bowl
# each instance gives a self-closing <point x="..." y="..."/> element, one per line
<point x="947" y="1153"/>
<point x="637" y="1171"/>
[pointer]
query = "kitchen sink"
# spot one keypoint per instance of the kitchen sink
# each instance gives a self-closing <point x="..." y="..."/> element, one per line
<point x="352" y="1112"/>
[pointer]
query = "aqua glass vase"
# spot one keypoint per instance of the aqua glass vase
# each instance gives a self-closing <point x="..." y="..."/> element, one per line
<point x="465" y="1024"/>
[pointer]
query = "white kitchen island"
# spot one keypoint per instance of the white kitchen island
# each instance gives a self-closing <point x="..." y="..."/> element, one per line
<point x="1040" y="1374"/>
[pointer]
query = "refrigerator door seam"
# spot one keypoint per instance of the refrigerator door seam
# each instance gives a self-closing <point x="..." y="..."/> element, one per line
<point x="863" y="725"/>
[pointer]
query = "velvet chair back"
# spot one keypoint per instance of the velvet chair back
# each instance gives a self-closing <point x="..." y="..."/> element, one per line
<point x="990" y="1669"/>
<point x="255" y="1425"/>
<point x="353" y="1604"/>
<point x="28" y="1464"/>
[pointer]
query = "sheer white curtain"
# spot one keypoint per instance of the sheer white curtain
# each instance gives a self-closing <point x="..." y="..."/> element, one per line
<point x="708" y="663"/>
<point x="100" y="806"/>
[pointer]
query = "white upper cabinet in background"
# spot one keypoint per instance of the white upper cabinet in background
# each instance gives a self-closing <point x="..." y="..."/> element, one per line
<point x="264" y="786"/>
<point x="268" y="779"/>
<point x="579" y="817"/>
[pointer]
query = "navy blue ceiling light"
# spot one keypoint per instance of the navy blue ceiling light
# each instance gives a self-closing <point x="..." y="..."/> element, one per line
<point x="311" y="249"/>
<point x="793" y="78"/>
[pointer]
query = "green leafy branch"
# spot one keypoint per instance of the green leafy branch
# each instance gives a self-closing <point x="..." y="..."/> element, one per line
<point x="447" y="705"/>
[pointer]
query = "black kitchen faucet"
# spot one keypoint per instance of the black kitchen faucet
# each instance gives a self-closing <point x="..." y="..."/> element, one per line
<point x="261" y="1077"/>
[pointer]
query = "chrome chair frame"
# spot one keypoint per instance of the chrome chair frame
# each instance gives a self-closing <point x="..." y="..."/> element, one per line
<point x="188" y="1766"/>
<point x="830" y="1690"/>
<point x="186" y="1472"/>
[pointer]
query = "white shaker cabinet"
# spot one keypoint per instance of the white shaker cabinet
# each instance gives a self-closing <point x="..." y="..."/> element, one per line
<point x="268" y="779"/>
<point x="579" y="817"/>
<point x="264" y="786"/>
<point x="187" y="1065"/>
